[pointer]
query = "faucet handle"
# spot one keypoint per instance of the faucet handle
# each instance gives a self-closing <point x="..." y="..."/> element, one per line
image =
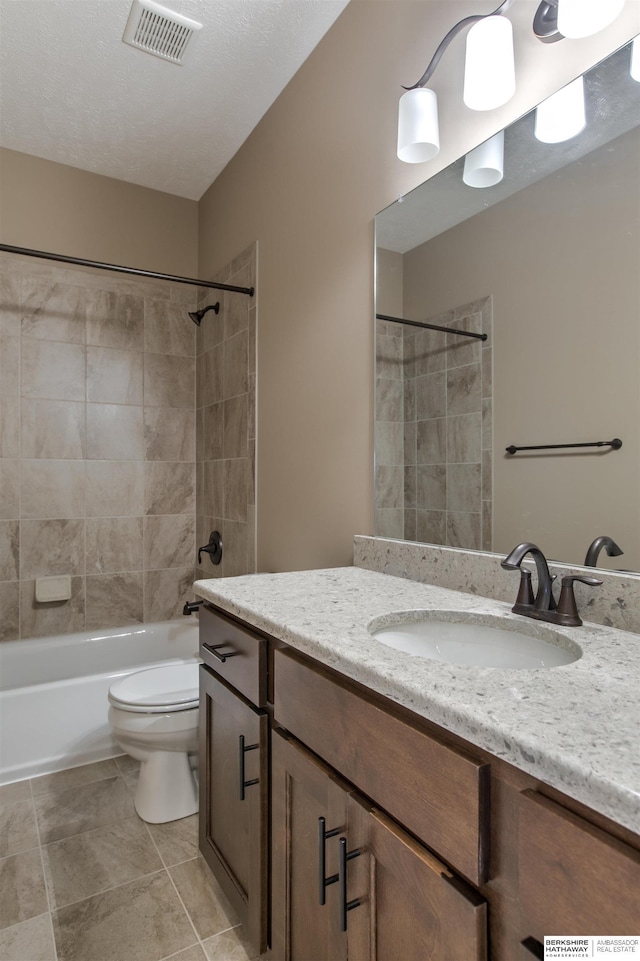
<point x="567" y="611"/>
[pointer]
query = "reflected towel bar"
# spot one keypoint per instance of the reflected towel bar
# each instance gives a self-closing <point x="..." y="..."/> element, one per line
<point x="27" y="252"/>
<point x="417" y="323"/>
<point x="616" y="444"/>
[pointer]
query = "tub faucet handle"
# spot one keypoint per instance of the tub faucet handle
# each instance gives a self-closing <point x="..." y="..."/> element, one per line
<point x="213" y="548"/>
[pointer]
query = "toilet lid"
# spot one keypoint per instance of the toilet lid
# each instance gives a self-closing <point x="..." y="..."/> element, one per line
<point x="172" y="687"/>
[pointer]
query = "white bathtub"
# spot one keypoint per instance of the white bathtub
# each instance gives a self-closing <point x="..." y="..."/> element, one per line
<point x="53" y="691"/>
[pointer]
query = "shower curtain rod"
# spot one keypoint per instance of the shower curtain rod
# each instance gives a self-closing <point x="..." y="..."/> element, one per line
<point x="155" y="275"/>
<point x="418" y="323"/>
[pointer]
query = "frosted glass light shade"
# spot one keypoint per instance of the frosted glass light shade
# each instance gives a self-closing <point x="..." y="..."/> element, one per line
<point x="418" y="132"/>
<point x="484" y="165"/>
<point x="582" y="18"/>
<point x="635" y="59"/>
<point x="489" y="70"/>
<point x="562" y="115"/>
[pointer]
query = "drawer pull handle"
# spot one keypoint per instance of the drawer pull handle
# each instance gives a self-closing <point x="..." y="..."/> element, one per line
<point x="213" y="649"/>
<point x="345" y="905"/>
<point x="242" y="784"/>
<point x="323" y="881"/>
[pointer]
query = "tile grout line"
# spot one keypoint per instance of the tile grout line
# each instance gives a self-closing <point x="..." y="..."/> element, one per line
<point x="184" y="907"/>
<point x="44" y="873"/>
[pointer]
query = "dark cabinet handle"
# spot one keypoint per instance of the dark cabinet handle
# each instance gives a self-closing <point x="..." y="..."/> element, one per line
<point x="242" y="784"/>
<point x="345" y="905"/>
<point x="213" y="649"/>
<point x="533" y="947"/>
<point x="323" y="880"/>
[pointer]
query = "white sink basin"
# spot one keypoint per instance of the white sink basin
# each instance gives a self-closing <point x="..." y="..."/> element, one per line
<point x="479" y="640"/>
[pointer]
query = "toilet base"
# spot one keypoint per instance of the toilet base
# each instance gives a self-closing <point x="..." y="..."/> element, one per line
<point x="166" y="790"/>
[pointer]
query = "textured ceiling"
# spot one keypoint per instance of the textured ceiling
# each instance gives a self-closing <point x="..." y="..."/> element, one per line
<point x="71" y="91"/>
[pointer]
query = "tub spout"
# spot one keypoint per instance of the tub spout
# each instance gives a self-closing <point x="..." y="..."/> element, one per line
<point x="612" y="549"/>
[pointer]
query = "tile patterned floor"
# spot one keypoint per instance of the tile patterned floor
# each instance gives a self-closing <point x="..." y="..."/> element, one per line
<point x="83" y="878"/>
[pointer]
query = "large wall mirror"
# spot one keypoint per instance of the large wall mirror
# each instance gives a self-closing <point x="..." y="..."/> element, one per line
<point x="546" y="263"/>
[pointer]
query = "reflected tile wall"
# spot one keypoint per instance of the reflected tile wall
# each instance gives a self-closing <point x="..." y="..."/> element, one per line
<point x="97" y="446"/>
<point x="226" y="422"/>
<point x="433" y="430"/>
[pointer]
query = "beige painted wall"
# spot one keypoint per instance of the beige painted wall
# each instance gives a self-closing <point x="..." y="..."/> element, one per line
<point x="307" y="184"/>
<point x="60" y="209"/>
<point x="560" y="260"/>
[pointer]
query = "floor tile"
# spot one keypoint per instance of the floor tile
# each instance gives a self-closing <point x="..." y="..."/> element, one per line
<point x="126" y="764"/>
<point x="73" y="777"/>
<point x="87" y="863"/>
<point x="176" y="840"/>
<point x="17" y="827"/>
<point x="139" y="921"/>
<point x="32" y="940"/>
<point x="18" y="791"/>
<point x="230" y="946"/>
<point x="203" y="898"/>
<point x="71" y="811"/>
<point x="22" y="890"/>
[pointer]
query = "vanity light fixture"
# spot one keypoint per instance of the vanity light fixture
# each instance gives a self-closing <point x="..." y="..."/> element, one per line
<point x="562" y="115"/>
<point x="489" y="79"/>
<point x="484" y="165"/>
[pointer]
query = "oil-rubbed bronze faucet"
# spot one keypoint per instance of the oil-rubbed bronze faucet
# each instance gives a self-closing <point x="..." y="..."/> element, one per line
<point x="543" y="606"/>
<point x="612" y="549"/>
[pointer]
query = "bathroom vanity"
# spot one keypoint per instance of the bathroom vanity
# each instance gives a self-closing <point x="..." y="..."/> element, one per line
<point x="360" y="802"/>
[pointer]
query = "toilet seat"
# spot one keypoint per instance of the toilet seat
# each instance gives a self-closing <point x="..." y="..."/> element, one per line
<point x="158" y="690"/>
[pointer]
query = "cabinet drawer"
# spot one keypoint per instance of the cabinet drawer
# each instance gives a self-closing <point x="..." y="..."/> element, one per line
<point x="438" y="792"/>
<point x="235" y="654"/>
<point x="574" y="878"/>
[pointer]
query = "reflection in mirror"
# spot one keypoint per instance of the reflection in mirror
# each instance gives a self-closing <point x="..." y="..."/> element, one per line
<point x="546" y="263"/>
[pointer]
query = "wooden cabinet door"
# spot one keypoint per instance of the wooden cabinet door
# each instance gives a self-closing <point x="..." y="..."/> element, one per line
<point x="233" y="817"/>
<point x="303" y="791"/>
<point x="411" y="906"/>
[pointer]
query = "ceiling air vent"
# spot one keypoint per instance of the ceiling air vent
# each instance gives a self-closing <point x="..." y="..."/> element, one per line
<point x="159" y="31"/>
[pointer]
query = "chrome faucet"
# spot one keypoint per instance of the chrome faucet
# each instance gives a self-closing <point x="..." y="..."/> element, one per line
<point x="543" y="607"/>
<point x="596" y="546"/>
<point x="544" y="600"/>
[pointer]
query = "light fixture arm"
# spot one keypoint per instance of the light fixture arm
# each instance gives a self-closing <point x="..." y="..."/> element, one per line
<point x="455" y="30"/>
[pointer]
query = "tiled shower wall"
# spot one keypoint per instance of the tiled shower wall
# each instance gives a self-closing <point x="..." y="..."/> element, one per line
<point x="226" y="422"/>
<point x="97" y="440"/>
<point x="434" y="434"/>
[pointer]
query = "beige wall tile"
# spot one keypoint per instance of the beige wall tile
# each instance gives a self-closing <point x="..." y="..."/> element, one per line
<point x="431" y="441"/>
<point x="464" y="437"/>
<point x="170" y="488"/>
<point x="464" y="389"/>
<point x="210" y="380"/>
<point x="410" y="486"/>
<point x="431" y="487"/>
<point x="114" y="599"/>
<point x="169" y="433"/>
<point x="235" y="365"/>
<point x="169" y="381"/>
<point x="389" y="443"/>
<point x="51" y="547"/>
<point x="113" y="544"/>
<point x="235" y="426"/>
<point x="235" y="536"/>
<point x="10" y="427"/>
<point x="463" y="530"/>
<point x="253" y="337"/>
<point x="53" y="429"/>
<point x="168" y="329"/>
<point x="9" y="488"/>
<point x="53" y="488"/>
<point x="115" y="488"/>
<point x="114" y="376"/>
<point x="9" y="298"/>
<point x="9" y="364"/>
<point x="431" y="396"/>
<point x="169" y="541"/>
<point x="464" y="487"/>
<point x="61" y="617"/>
<point x="213" y="432"/>
<point x="464" y="350"/>
<point x="429" y="349"/>
<point x="235" y="489"/>
<point x="53" y="311"/>
<point x="114" y="432"/>
<point x="165" y="593"/>
<point x="115" y="320"/>
<point x="389" y="487"/>
<point x="52" y="370"/>
<point x="235" y="307"/>
<point x="212" y="502"/>
<point x="431" y="526"/>
<point x="212" y="327"/>
<point x="10" y="607"/>
<point x="389" y="399"/>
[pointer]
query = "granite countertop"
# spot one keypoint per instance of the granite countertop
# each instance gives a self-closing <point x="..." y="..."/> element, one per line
<point x="576" y="727"/>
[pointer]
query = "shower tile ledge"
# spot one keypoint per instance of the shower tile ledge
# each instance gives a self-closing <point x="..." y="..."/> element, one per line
<point x="574" y="727"/>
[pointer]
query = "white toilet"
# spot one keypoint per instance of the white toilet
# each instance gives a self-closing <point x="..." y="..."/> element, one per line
<point x="154" y="718"/>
